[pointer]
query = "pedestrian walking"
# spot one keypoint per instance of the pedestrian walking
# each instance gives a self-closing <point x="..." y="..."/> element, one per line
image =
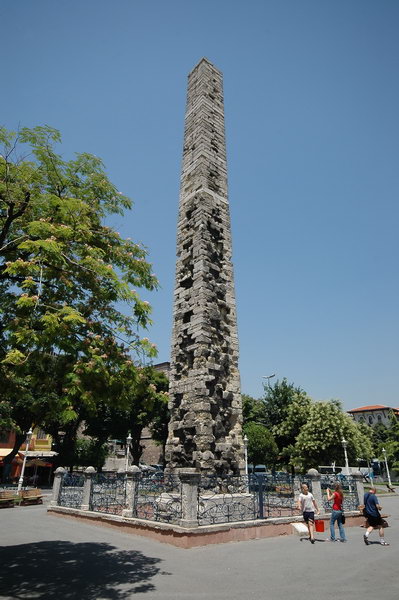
<point x="307" y="504"/>
<point x="372" y="513"/>
<point x="336" y="513"/>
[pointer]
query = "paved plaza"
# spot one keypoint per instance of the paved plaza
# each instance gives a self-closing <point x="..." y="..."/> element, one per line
<point x="50" y="557"/>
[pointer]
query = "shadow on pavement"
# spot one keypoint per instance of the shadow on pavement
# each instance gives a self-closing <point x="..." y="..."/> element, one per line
<point x="61" y="569"/>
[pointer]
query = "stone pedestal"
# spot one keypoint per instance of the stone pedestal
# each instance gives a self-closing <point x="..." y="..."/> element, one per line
<point x="87" y="485"/>
<point x="358" y="479"/>
<point x="315" y="477"/>
<point x="189" y="479"/>
<point x="132" y="481"/>
<point x="57" y="486"/>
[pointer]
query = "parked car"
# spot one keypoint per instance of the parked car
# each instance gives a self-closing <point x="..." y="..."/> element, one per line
<point x="257" y="469"/>
<point x="146" y="468"/>
<point x="158" y="467"/>
<point x="157" y="476"/>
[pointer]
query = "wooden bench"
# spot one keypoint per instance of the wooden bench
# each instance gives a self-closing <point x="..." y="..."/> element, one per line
<point x="8" y="498"/>
<point x="31" y="496"/>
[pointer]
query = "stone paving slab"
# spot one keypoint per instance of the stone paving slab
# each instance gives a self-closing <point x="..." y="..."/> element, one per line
<point x="45" y="557"/>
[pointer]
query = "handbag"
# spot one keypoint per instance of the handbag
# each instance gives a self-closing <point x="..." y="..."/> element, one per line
<point x="343" y="518"/>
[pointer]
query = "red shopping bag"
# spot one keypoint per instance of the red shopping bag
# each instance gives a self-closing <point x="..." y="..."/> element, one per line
<point x="319" y="525"/>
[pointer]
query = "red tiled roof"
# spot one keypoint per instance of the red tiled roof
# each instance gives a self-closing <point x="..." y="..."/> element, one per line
<point x="372" y="407"/>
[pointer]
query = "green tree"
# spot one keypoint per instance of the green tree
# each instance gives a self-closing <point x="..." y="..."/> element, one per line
<point x="380" y="436"/>
<point x="262" y="448"/>
<point x="252" y="410"/>
<point x="319" y="441"/>
<point x="86" y="453"/>
<point x="277" y="400"/>
<point x="147" y="397"/>
<point x="390" y="443"/>
<point x="309" y="433"/>
<point x="90" y="454"/>
<point x="65" y="342"/>
<point x="287" y="431"/>
<point x="160" y="421"/>
<point x="285" y="411"/>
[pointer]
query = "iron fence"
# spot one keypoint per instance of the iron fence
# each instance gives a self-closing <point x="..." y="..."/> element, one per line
<point x="71" y="490"/>
<point x="108" y="493"/>
<point x="225" y="499"/>
<point x="276" y="496"/>
<point x="159" y="499"/>
<point x="258" y="496"/>
<point x="349" y="489"/>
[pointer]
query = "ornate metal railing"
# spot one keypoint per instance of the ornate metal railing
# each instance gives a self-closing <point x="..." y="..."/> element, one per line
<point x="261" y="496"/>
<point x="108" y="493"/>
<point x="71" y="490"/>
<point x="159" y="499"/>
<point x="278" y="493"/>
<point x="219" y="499"/>
<point x="349" y="489"/>
<point x="225" y="499"/>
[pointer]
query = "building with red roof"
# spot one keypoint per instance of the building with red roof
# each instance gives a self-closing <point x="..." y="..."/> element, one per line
<point x="373" y="414"/>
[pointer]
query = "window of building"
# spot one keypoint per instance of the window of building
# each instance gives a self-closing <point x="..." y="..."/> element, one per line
<point x="379" y="418"/>
<point x="41" y="435"/>
<point x="370" y="420"/>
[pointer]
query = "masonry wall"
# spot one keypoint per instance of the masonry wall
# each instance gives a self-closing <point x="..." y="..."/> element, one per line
<point x="205" y="399"/>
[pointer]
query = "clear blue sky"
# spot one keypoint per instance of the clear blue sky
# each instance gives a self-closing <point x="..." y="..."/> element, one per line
<point x="311" y="101"/>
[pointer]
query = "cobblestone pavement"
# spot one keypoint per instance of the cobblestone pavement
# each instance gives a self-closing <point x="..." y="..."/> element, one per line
<point x="47" y="557"/>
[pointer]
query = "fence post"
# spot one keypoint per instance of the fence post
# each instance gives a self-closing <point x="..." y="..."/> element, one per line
<point x="189" y="479"/>
<point x="315" y="477"/>
<point x="358" y="478"/>
<point x="57" y="486"/>
<point x="132" y="483"/>
<point x="297" y="486"/>
<point x="260" y="480"/>
<point x="87" y="485"/>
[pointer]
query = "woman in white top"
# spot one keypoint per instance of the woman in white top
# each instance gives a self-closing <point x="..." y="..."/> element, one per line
<point x="307" y="505"/>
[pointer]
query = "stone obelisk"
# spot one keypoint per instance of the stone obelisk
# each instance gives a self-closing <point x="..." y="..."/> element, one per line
<point x="205" y="399"/>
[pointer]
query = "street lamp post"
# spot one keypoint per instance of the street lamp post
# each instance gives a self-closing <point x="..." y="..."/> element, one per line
<point x="268" y="378"/>
<point x="21" y="479"/>
<point x="386" y="466"/>
<point x="128" y="442"/>
<point x="344" y="445"/>
<point x="246" y="453"/>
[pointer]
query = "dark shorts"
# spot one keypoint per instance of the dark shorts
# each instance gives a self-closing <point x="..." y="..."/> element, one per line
<point x="374" y="521"/>
<point x="308" y="516"/>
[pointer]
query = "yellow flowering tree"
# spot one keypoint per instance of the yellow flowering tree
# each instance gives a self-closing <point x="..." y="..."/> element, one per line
<point x="69" y="309"/>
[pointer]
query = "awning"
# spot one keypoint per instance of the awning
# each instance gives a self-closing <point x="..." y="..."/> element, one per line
<point x="39" y="453"/>
<point x="5" y="452"/>
<point x="38" y="462"/>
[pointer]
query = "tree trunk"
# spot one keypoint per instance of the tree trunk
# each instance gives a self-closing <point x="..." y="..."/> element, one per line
<point x="136" y="448"/>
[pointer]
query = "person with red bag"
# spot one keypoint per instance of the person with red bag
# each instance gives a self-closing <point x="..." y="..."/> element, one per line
<point x="336" y="513"/>
<point x="307" y="504"/>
